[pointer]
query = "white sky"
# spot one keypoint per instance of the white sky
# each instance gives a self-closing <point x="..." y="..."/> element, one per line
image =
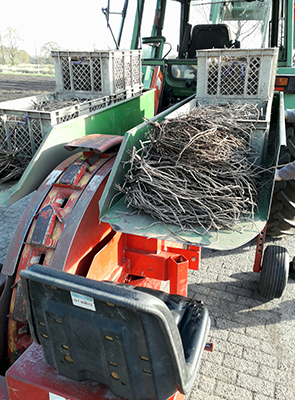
<point x="74" y="25"/>
<point x="77" y="25"/>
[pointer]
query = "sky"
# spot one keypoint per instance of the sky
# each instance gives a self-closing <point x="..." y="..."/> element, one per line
<point x="74" y="25"/>
<point x="77" y="25"/>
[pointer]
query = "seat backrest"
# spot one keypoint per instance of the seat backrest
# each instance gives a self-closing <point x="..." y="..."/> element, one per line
<point x="184" y="45"/>
<point x="114" y="334"/>
<point x="204" y="37"/>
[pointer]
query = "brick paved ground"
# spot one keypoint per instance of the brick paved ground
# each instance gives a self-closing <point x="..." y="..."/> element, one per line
<point x="254" y="357"/>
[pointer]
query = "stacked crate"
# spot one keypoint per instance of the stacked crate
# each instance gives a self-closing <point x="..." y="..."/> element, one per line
<point x="98" y="78"/>
<point x="99" y="72"/>
<point x="240" y="75"/>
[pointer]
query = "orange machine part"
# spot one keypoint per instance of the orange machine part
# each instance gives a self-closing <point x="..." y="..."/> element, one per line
<point x="157" y="83"/>
<point x="76" y="242"/>
<point x="51" y="231"/>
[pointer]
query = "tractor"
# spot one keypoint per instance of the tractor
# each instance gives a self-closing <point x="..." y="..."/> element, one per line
<point x="94" y="297"/>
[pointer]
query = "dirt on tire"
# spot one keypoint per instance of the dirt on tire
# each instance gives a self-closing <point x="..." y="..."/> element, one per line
<point x="19" y="86"/>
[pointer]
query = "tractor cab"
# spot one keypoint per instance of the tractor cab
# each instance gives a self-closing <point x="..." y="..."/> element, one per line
<point x="171" y="32"/>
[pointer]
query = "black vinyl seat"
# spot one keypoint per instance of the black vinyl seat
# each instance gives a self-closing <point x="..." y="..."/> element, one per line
<point x="142" y="343"/>
<point x="212" y="36"/>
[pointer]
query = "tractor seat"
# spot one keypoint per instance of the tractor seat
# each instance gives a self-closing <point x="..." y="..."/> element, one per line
<point x="214" y="36"/>
<point x="141" y="343"/>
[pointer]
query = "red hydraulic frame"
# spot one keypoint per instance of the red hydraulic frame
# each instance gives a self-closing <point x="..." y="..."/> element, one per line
<point x="65" y="233"/>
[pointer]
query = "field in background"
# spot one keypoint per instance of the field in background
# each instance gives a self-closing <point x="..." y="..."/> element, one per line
<point x="35" y="69"/>
<point x="13" y="86"/>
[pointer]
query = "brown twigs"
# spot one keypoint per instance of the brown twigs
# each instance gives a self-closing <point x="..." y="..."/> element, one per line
<point x="12" y="165"/>
<point x="48" y="105"/>
<point x="197" y="171"/>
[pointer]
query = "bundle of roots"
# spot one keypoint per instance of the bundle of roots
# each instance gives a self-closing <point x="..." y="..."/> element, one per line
<point x="12" y="165"/>
<point x="49" y="105"/>
<point x="197" y="171"/>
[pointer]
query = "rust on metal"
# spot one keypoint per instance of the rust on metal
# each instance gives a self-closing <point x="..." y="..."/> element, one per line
<point x="99" y="143"/>
<point x="259" y="250"/>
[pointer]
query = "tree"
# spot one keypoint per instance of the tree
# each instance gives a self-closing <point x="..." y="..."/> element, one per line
<point x="2" y="50"/>
<point x="12" y="44"/>
<point x="47" y="48"/>
<point x="22" y="57"/>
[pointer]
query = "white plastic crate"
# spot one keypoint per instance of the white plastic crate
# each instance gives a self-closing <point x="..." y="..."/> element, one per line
<point x="23" y="127"/>
<point x="99" y="72"/>
<point x="236" y="73"/>
<point x="125" y="94"/>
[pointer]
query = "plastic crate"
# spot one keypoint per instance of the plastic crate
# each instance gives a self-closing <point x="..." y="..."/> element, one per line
<point x="236" y="73"/>
<point x="125" y="94"/>
<point x="99" y="72"/>
<point x="23" y="127"/>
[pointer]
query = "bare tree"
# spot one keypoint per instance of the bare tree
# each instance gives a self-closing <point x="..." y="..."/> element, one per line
<point x="13" y="41"/>
<point x="2" y="50"/>
<point x="47" y="48"/>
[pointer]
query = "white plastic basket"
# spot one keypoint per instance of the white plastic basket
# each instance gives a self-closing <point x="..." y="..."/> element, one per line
<point x="99" y="72"/>
<point x="22" y="127"/>
<point x="236" y="73"/>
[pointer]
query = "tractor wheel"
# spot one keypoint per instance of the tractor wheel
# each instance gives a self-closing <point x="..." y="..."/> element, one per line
<point x="282" y="213"/>
<point x="292" y="269"/>
<point x="275" y="270"/>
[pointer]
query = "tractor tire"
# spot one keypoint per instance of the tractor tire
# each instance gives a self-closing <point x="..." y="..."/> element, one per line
<point x="282" y="213"/>
<point x="275" y="271"/>
<point x="292" y="269"/>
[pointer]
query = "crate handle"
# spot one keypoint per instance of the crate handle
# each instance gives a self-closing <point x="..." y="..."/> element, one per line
<point x="19" y="123"/>
<point x="78" y="62"/>
<point x="229" y="68"/>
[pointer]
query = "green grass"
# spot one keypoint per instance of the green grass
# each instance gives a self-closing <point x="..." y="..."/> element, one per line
<point x="27" y="69"/>
<point x="26" y="74"/>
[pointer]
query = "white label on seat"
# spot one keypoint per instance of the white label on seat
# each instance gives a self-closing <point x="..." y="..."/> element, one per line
<point x="80" y="300"/>
<point x="53" y="396"/>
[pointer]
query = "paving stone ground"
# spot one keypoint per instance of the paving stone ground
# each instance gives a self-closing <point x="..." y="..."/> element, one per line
<point x="254" y="356"/>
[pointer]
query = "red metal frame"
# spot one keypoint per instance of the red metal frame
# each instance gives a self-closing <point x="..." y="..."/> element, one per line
<point x="61" y="233"/>
<point x="39" y="380"/>
<point x="259" y="249"/>
<point x="65" y="233"/>
<point x="130" y="259"/>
